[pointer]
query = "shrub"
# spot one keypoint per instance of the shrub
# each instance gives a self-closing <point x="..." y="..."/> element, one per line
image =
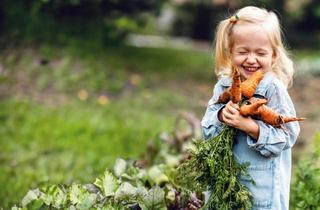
<point x="305" y="190"/>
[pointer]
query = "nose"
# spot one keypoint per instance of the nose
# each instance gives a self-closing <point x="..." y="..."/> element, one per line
<point x="251" y="58"/>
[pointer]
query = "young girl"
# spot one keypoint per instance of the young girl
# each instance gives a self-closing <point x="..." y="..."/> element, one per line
<point x="251" y="40"/>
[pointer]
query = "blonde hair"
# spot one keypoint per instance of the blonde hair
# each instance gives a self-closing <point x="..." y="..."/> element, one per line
<point x="282" y="65"/>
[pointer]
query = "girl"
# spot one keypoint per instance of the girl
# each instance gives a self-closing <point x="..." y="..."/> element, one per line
<point x="251" y="40"/>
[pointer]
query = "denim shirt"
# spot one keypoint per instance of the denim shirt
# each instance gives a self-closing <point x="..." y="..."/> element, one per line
<point x="270" y="155"/>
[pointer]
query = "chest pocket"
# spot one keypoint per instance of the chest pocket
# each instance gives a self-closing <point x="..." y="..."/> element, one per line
<point x="262" y="189"/>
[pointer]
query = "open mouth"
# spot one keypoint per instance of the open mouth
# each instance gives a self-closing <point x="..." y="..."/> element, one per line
<point x="251" y="68"/>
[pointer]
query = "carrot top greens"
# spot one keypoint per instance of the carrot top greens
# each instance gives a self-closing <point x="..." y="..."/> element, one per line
<point x="212" y="165"/>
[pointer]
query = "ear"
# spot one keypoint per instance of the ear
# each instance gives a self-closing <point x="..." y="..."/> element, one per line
<point x="227" y="52"/>
<point x="275" y="55"/>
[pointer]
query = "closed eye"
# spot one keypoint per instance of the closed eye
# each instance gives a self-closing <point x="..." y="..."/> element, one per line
<point x="262" y="54"/>
<point x="242" y="52"/>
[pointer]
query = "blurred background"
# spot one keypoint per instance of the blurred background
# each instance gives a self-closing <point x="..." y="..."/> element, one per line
<point x="83" y="82"/>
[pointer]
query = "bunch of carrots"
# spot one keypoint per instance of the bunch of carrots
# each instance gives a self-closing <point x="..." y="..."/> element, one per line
<point x="212" y="163"/>
<point x="251" y="106"/>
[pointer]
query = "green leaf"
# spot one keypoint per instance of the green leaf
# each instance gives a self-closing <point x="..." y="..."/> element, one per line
<point x="29" y="197"/>
<point x="72" y="208"/>
<point x="87" y="202"/>
<point x="126" y="192"/>
<point x="54" y="196"/>
<point x="153" y="200"/>
<point x="47" y="199"/>
<point x="142" y="174"/>
<point x="76" y="194"/>
<point x="31" y="200"/>
<point x="141" y="191"/>
<point x="120" y="167"/>
<point x="110" y="184"/>
<point x="98" y="182"/>
<point x="35" y="205"/>
<point x="156" y="175"/>
<point x="16" y="208"/>
<point x="154" y="172"/>
<point x="60" y="198"/>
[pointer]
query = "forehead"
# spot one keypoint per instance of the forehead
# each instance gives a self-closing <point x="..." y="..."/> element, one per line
<point x="249" y="36"/>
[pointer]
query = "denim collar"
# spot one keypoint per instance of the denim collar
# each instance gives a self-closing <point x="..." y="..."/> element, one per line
<point x="262" y="87"/>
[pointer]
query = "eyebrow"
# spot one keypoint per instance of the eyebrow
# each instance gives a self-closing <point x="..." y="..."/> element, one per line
<point x="245" y="48"/>
<point x="262" y="49"/>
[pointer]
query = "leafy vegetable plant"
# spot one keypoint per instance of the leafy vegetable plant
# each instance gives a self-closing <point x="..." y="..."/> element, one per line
<point x="125" y="188"/>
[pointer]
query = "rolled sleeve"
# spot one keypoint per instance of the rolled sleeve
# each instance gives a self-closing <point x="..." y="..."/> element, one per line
<point x="271" y="140"/>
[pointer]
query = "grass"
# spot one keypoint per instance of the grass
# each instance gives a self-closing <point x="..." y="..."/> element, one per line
<point x="55" y="128"/>
<point x="73" y="142"/>
<point x="106" y="69"/>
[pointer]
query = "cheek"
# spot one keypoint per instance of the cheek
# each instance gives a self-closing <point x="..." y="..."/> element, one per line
<point x="237" y="60"/>
<point x="268" y="61"/>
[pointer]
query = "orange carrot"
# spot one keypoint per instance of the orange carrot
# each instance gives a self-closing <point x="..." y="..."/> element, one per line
<point x="249" y="86"/>
<point x="250" y="107"/>
<point x="224" y="97"/>
<point x="270" y="117"/>
<point x="256" y="108"/>
<point x="233" y="92"/>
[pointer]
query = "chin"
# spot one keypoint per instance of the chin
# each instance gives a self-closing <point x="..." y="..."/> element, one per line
<point x="246" y="74"/>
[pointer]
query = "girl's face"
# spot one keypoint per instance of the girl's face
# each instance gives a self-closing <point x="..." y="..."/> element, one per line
<point x="251" y="49"/>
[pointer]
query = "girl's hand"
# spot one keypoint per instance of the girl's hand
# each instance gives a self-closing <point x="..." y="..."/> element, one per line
<point x="231" y="116"/>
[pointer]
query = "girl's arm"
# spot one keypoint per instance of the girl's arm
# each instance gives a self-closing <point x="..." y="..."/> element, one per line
<point x="271" y="140"/>
<point x="211" y="125"/>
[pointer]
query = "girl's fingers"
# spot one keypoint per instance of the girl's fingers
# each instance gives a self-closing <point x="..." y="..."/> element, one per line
<point x="234" y="105"/>
<point x="227" y="120"/>
<point x="231" y="108"/>
<point x="227" y="115"/>
<point x="230" y="113"/>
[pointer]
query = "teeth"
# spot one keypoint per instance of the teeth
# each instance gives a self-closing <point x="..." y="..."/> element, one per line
<point x="251" y="68"/>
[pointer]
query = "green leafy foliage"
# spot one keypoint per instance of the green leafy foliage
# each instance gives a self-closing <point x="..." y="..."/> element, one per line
<point x="305" y="190"/>
<point x="101" y="21"/>
<point x="115" y="192"/>
<point x="127" y="186"/>
<point x="212" y="164"/>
